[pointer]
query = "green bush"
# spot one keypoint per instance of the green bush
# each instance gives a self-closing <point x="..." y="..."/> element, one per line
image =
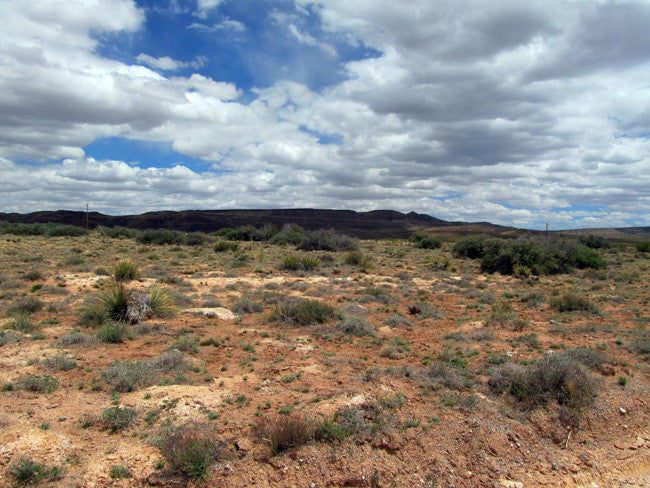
<point x="571" y="302"/>
<point x="26" y="471"/>
<point x="115" y="419"/>
<point x="25" y="306"/>
<point x="327" y="240"/>
<point x="126" y="270"/>
<point x="59" y="362"/>
<point x="470" y="246"/>
<point x="246" y="305"/>
<point x="223" y="246"/>
<point x="37" y="384"/>
<point x="643" y="246"/>
<point x="190" y="449"/>
<point x="113" y="332"/>
<point x="303" y="312"/>
<point x="119" y="471"/>
<point x="291" y="263"/>
<point x="594" y="241"/>
<point x="425" y="242"/>
<point x="119" y="232"/>
<point x="161" y="237"/>
<point x="21" y="323"/>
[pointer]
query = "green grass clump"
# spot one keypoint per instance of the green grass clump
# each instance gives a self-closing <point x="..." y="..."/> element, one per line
<point x="115" y="419"/>
<point x="126" y="376"/>
<point x="126" y="270"/>
<point x="25" y="306"/>
<point x="21" y="323"/>
<point x="223" y="246"/>
<point x="571" y="302"/>
<point x="119" y="471"/>
<point x="26" y="471"/>
<point x="113" y="332"/>
<point x="303" y="312"/>
<point x="37" y="384"/>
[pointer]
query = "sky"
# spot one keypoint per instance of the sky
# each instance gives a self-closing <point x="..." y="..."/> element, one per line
<point x="517" y="113"/>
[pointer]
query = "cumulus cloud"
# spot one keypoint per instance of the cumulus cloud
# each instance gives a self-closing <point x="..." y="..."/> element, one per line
<point x="513" y="112"/>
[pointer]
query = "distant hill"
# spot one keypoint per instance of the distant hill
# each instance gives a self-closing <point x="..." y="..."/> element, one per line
<point x="373" y="224"/>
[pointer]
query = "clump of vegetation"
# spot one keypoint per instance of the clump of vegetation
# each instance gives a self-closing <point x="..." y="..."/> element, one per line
<point x="572" y="302"/>
<point x="21" y="323"/>
<point x="303" y="312"/>
<point x="162" y="237"/>
<point x="527" y="255"/>
<point x="126" y="270"/>
<point x="25" y="306"/>
<point x="59" y="362"/>
<point x="223" y="246"/>
<point x="113" y="332"/>
<point x="643" y="246"/>
<point x="327" y="240"/>
<point x="75" y="338"/>
<point x="246" y="305"/>
<point x="285" y="431"/>
<point x="356" y="326"/>
<point x="49" y="229"/>
<point x="594" y="241"/>
<point x="294" y="263"/>
<point x="120" y="304"/>
<point x="37" y="384"/>
<point x="561" y="378"/>
<point x="26" y="471"/>
<point x="118" y="471"/>
<point x="9" y="337"/>
<point x="426" y="242"/>
<point x="125" y="376"/>
<point x="115" y="419"/>
<point x="190" y="449"/>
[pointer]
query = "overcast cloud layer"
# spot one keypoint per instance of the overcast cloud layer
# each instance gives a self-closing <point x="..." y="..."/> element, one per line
<point x="518" y="113"/>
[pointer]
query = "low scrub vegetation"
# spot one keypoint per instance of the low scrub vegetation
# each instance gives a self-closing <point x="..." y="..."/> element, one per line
<point x="303" y="312"/>
<point x="190" y="449"/>
<point x="525" y="256"/>
<point x="125" y="376"/>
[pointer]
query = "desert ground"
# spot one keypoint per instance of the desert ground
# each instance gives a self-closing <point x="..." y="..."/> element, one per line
<point x="261" y="365"/>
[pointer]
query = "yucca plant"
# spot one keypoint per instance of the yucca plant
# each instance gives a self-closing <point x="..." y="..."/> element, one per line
<point x="116" y="302"/>
<point x="126" y="270"/>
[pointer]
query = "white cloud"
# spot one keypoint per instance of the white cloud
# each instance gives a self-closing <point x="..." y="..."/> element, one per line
<point x="164" y="63"/>
<point x="470" y="112"/>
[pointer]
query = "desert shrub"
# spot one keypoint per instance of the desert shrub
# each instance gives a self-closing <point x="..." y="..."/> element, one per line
<point x="126" y="270"/>
<point x="397" y="320"/>
<point x="285" y="431"/>
<point x="291" y="263"/>
<point x="470" y="246"/>
<point x="594" y="241"/>
<point x="441" y="374"/>
<point x="290" y="234"/>
<point x="356" y="326"/>
<point x="571" y="302"/>
<point x="642" y="246"/>
<point x="424" y="310"/>
<point x="59" y="230"/>
<point x="113" y="332"/>
<point x="37" y="384"/>
<point x="425" y="242"/>
<point x="119" y="471"/>
<point x="327" y="240"/>
<point x="33" y="275"/>
<point x="398" y="348"/>
<point x="355" y="258"/>
<point x="59" y="362"/>
<point x="21" y="323"/>
<point x="160" y="302"/>
<point x="303" y="312"/>
<point x="75" y="338"/>
<point x="93" y="313"/>
<point x="185" y="344"/>
<point x="125" y="376"/>
<point x="246" y="305"/>
<point x="528" y="255"/>
<point x="190" y="449"/>
<point x="196" y="239"/>
<point x="115" y="419"/>
<point x="223" y="246"/>
<point x="25" y="306"/>
<point x="554" y="377"/>
<point x="26" y="471"/>
<point x="9" y="337"/>
<point x="119" y="232"/>
<point x="160" y="237"/>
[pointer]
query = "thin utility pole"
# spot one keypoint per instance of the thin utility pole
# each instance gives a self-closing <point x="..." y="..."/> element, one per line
<point x="86" y="216"/>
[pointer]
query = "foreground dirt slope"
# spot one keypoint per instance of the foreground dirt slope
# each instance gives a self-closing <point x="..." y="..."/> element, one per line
<point x="431" y="331"/>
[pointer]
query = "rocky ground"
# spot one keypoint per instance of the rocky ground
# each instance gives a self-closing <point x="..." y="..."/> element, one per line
<point x="406" y="362"/>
